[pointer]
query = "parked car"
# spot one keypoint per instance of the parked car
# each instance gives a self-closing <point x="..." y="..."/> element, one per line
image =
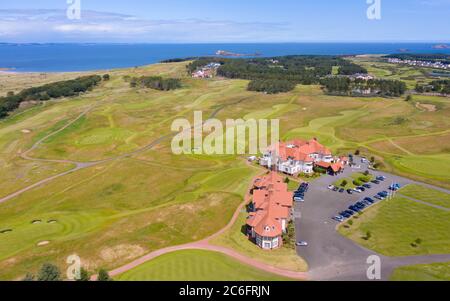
<point x="341" y="190"/>
<point x="369" y="200"/>
<point x="301" y="244"/>
<point x="354" y="208"/>
<point x="339" y="218"/>
<point x="349" y="191"/>
<point x="361" y="188"/>
<point x="379" y="197"/>
<point x="350" y="212"/>
<point x="331" y="187"/>
<point x="381" y="178"/>
<point x="368" y="186"/>
<point x="345" y="214"/>
<point x="357" y="190"/>
<point x="375" y="182"/>
<point x="336" y="189"/>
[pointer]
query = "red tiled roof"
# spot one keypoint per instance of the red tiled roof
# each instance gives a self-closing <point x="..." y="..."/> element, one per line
<point x="272" y="204"/>
<point x="300" y="150"/>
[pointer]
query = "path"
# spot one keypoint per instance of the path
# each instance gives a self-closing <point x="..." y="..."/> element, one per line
<point x="206" y="245"/>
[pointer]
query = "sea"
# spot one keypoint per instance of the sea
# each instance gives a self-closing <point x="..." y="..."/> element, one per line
<point x="88" y="57"/>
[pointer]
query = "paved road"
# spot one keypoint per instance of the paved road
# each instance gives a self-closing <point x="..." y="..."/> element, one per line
<point x="331" y="256"/>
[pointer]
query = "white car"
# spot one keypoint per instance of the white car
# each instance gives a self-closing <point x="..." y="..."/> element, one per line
<point x="301" y="244"/>
<point x="357" y="190"/>
<point x="331" y="187"/>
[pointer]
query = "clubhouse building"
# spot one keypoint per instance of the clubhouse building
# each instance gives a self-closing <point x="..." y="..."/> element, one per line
<point x="301" y="157"/>
<point x="270" y="211"/>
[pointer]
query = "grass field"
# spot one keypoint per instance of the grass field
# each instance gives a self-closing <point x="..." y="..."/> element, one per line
<point x="113" y="212"/>
<point x="424" y="272"/>
<point x="283" y="258"/>
<point x="426" y="194"/>
<point x="396" y="226"/>
<point x="195" y="265"/>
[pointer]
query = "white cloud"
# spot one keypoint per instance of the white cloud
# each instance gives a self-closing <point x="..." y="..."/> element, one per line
<point x="54" y="26"/>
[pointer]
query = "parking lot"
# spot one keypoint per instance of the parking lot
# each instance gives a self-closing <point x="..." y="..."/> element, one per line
<point x="331" y="256"/>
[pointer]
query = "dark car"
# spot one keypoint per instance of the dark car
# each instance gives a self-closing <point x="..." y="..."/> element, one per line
<point x="369" y="200"/>
<point x="354" y="208"/>
<point x="361" y="188"/>
<point x="350" y="212"/>
<point x="376" y="182"/>
<point x="335" y="189"/>
<point x="341" y="190"/>
<point x="368" y="186"/>
<point x="349" y="191"/>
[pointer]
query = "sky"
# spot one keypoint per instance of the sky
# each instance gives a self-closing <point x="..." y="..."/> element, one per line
<point x="232" y="21"/>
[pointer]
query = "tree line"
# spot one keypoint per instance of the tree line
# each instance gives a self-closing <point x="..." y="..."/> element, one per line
<point x="46" y="92"/>
<point x="50" y="272"/>
<point x="271" y="86"/>
<point x="279" y="74"/>
<point x="357" y="87"/>
<point x="155" y="82"/>
<point x="436" y="86"/>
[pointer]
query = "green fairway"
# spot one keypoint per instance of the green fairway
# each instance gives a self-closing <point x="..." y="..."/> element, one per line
<point x="424" y="272"/>
<point x="401" y="227"/>
<point x="142" y="199"/>
<point x="426" y="194"/>
<point x="196" y="265"/>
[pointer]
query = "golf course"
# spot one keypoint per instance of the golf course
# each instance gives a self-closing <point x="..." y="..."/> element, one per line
<point x="94" y="175"/>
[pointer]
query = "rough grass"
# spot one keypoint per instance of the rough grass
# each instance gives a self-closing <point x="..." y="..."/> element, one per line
<point x="424" y="272"/>
<point x="396" y="224"/>
<point x="196" y="265"/>
<point x="130" y="204"/>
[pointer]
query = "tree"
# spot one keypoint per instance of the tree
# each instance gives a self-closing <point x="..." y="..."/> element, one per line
<point x="84" y="275"/>
<point x="49" y="272"/>
<point x="372" y="159"/>
<point x="103" y="275"/>
<point x="286" y="180"/>
<point x="368" y="235"/>
<point x="106" y="77"/>
<point x="10" y="93"/>
<point x="357" y="152"/>
<point x="409" y="98"/>
<point x="344" y="183"/>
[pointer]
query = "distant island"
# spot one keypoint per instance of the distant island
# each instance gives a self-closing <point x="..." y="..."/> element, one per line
<point x="441" y="46"/>
<point x="228" y="53"/>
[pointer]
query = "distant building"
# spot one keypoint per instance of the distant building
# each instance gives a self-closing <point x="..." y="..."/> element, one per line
<point x="297" y="156"/>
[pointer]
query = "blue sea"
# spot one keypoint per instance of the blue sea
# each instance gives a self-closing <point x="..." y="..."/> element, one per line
<point x="84" y="57"/>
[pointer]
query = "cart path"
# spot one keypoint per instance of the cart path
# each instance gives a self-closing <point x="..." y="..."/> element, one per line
<point x="206" y="245"/>
<point x="82" y="165"/>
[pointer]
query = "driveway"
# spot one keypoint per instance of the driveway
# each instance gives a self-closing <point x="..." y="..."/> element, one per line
<point x="330" y="255"/>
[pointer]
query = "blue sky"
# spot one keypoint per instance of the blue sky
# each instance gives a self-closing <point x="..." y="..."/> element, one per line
<point x="199" y="21"/>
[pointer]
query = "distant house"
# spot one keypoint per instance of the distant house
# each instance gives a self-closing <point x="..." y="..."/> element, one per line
<point x="330" y="168"/>
<point x="295" y="157"/>
<point x="207" y="71"/>
<point x="269" y="212"/>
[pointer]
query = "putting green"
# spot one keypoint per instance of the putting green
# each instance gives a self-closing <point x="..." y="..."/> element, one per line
<point x="196" y="265"/>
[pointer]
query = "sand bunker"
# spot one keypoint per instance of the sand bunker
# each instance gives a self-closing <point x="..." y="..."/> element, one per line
<point x="426" y="107"/>
<point x="25" y="131"/>
<point x="43" y="243"/>
<point x="5" y="231"/>
<point x="52" y="221"/>
<point x="36" y="221"/>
